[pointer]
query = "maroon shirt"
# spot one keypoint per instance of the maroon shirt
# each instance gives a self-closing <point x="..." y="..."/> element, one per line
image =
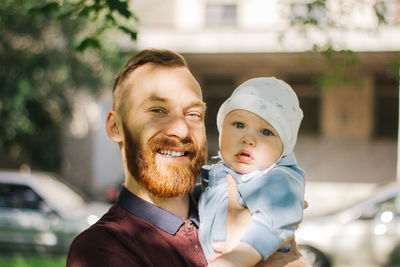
<point x="135" y="232"/>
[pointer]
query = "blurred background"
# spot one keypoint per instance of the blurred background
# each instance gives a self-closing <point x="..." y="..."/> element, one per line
<point x="58" y="60"/>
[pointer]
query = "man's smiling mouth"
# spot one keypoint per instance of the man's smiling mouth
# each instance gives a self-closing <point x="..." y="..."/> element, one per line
<point x="172" y="153"/>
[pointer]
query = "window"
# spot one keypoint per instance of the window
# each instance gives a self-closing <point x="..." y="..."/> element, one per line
<point x="217" y="90"/>
<point x="311" y="109"/>
<point x="308" y="12"/>
<point x="310" y="102"/>
<point x="18" y="196"/>
<point x="221" y="14"/>
<point x="386" y="108"/>
<point x="385" y="210"/>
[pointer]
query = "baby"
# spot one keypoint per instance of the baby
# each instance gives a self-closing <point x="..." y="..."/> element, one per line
<point x="258" y="127"/>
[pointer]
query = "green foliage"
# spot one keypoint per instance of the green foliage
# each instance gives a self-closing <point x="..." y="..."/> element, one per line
<point x="395" y="68"/>
<point x="315" y="16"/>
<point x="32" y="261"/>
<point x="40" y="68"/>
<point x="339" y="66"/>
<point x="381" y="9"/>
<point x="105" y="14"/>
<point x="312" y="13"/>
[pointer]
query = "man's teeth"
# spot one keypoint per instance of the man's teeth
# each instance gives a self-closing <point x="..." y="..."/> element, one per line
<point x="171" y="153"/>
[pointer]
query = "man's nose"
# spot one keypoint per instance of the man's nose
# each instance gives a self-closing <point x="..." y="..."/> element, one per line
<point x="248" y="139"/>
<point x="177" y="127"/>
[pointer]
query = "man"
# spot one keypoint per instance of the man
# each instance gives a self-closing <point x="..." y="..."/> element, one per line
<point x="158" y="122"/>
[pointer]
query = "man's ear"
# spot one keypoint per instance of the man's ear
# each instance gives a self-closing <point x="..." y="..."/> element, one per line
<point x="112" y="127"/>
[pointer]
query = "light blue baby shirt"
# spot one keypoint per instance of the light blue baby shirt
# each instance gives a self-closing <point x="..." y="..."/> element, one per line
<point x="275" y="200"/>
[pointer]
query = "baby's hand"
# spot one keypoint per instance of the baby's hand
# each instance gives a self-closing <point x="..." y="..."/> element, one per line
<point x="292" y="258"/>
<point x="221" y="261"/>
<point x="241" y="256"/>
<point x="238" y="217"/>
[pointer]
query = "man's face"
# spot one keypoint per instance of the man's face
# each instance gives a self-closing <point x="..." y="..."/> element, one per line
<point x="165" y="142"/>
<point x="248" y="142"/>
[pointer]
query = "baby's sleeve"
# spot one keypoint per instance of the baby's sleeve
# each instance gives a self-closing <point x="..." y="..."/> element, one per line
<point x="276" y="202"/>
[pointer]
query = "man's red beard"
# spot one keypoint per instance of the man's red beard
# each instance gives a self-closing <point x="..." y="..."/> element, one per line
<point x="172" y="180"/>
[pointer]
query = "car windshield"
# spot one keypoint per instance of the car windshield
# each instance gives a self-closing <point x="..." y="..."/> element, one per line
<point x="59" y="194"/>
<point x="370" y="201"/>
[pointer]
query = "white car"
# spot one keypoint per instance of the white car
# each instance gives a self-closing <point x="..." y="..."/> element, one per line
<point x="364" y="234"/>
<point x="38" y="212"/>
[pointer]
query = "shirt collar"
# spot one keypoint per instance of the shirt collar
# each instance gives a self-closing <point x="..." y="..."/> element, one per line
<point x="161" y="218"/>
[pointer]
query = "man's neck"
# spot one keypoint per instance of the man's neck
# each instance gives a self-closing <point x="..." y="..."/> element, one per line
<point x="178" y="206"/>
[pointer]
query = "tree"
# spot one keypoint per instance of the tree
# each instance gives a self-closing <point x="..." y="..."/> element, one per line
<point x="104" y="14"/>
<point x="46" y="55"/>
<point x="332" y="18"/>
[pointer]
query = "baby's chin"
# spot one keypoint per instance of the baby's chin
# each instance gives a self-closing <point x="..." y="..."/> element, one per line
<point x="246" y="169"/>
<point x="243" y="169"/>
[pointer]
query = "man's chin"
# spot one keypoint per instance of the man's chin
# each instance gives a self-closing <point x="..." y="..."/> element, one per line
<point x="165" y="177"/>
<point x="166" y="165"/>
<point x="168" y="185"/>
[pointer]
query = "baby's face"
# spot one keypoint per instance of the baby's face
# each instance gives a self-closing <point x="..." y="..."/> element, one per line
<point x="248" y="142"/>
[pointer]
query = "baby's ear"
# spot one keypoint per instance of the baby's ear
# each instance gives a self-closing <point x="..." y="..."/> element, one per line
<point x="113" y="127"/>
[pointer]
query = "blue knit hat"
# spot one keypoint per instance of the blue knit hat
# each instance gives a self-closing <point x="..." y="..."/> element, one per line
<point x="271" y="99"/>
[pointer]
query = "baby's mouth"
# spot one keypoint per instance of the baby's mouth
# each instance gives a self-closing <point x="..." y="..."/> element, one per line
<point x="244" y="156"/>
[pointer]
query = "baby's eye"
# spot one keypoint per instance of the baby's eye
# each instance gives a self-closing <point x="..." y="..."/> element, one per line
<point x="239" y="125"/>
<point x="266" y="132"/>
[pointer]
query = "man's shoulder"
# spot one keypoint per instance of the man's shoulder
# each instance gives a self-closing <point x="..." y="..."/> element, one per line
<point x="98" y="231"/>
<point x="113" y="226"/>
<point x="101" y="231"/>
<point x="109" y="239"/>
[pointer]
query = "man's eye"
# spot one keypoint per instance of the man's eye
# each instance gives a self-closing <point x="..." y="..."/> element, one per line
<point x="194" y="114"/>
<point x="266" y="132"/>
<point x="239" y="125"/>
<point x="157" y="110"/>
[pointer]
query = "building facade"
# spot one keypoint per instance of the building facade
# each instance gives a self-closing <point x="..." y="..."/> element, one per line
<point x="341" y="57"/>
<point x="349" y="98"/>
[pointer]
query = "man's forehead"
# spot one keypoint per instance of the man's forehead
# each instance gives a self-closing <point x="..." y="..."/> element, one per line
<point x="158" y="83"/>
<point x="154" y="98"/>
<point x="152" y="69"/>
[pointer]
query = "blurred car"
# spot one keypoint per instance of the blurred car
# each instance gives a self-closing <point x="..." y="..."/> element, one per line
<point x="39" y="212"/>
<point x="364" y="234"/>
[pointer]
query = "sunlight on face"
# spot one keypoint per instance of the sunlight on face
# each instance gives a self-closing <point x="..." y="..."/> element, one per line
<point x="165" y="142"/>
<point x="248" y="142"/>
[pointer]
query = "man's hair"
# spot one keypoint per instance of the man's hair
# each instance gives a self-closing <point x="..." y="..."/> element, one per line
<point x="160" y="57"/>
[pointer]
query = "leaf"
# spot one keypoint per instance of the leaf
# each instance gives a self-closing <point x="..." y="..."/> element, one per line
<point x="46" y="9"/>
<point x="88" y="42"/>
<point x="110" y="17"/>
<point x="124" y="29"/>
<point x="66" y="15"/>
<point x="120" y="6"/>
<point x="85" y="11"/>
